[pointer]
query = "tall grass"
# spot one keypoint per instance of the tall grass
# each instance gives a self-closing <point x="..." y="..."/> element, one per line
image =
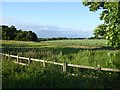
<point x="35" y="76"/>
<point x="104" y="58"/>
<point x="56" y="43"/>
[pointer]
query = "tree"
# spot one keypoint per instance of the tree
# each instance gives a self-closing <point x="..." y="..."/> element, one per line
<point x="18" y="35"/>
<point x="30" y="36"/>
<point x="34" y="37"/>
<point x="5" y="33"/>
<point x="111" y="17"/>
<point x="11" y="33"/>
<point x="100" y="31"/>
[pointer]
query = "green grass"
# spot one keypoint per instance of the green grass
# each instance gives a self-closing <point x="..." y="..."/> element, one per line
<point x="35" y="76"/>
<point x="85" y="42"/>
<point x="55" y="43"/>
<point x="52" y="51"/>
<point x="81" y="52"/>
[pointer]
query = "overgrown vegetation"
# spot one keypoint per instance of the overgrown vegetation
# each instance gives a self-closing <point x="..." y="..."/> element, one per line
<point x="61" y="51"/>
<point x="35" y="76"/>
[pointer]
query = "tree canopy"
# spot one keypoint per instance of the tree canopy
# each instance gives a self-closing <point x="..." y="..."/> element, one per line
<point x="11" y="33"/>
<point x="100" y="31"/>
<point x="111" y="16"/>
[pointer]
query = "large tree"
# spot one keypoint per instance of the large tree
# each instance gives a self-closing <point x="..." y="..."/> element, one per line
<point x="111" y="16"/>
<point x="100" y="31"/>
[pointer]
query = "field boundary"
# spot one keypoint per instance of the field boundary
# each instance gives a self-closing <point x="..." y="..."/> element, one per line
<point x="64" y="64"/>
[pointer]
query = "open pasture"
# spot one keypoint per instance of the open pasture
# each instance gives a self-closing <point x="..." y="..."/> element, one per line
<point x="61" y="51"/>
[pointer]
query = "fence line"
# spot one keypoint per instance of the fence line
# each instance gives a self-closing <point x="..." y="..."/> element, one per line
<point x="65" y="65"/>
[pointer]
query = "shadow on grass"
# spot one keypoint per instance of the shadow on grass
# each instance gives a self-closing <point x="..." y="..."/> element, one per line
<point x="64" y="50"/>
<point x="35" y="76"/>
<point x="55" y="80"/>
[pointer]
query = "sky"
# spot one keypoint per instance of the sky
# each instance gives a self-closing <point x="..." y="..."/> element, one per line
<point x="51" y="19"/>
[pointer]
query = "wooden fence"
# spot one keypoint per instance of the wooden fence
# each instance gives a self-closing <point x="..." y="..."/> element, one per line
<point x="64" y="65"/>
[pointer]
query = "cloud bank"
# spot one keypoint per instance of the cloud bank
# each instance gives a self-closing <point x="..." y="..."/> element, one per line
<point x="48" y="31"/>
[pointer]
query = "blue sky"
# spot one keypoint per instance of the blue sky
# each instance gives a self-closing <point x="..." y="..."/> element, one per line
<point x="51" y="19"/>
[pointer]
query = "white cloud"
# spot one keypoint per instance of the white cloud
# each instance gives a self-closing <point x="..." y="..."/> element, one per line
<point x="45" y="31"/>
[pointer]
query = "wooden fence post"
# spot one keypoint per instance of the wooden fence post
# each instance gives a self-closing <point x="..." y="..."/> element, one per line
<point x="43" y="63"/>
<point x="28" y="60"/>
<point x="65" y="67"/>
<point x="98" y="67"/>
<point x="17" y="59"/>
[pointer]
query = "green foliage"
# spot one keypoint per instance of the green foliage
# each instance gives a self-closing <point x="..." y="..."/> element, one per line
<point x="8" y="33"/>
<point x="100" y="31"/>
<point x="11" y="33"/>
<point x="35" y="76"/>
<point x="111" y="17"/>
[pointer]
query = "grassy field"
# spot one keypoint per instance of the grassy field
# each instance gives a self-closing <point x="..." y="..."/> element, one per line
<point x="35" y="76"/>
<point x="81" y="52"/>
<point x="60" y="43"/>
<point x="61" y="51"/>
<point x="85" y="42"/>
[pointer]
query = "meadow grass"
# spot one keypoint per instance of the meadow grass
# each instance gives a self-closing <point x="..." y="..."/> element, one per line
<point x="85" y="42"/>
<point x="48" y="51"/>
<point x="54" y="43"/>
<point x="51" y="76"/>
<point x="35" y="76"/>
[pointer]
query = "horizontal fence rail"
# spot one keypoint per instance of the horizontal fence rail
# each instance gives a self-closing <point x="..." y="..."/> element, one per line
<point x="65" y="65"/>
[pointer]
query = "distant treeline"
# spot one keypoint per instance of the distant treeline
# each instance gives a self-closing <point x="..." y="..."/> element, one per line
<point x="63" y="38"/>
<point x="57" y="38"/>
<point x="11" y="33"/>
